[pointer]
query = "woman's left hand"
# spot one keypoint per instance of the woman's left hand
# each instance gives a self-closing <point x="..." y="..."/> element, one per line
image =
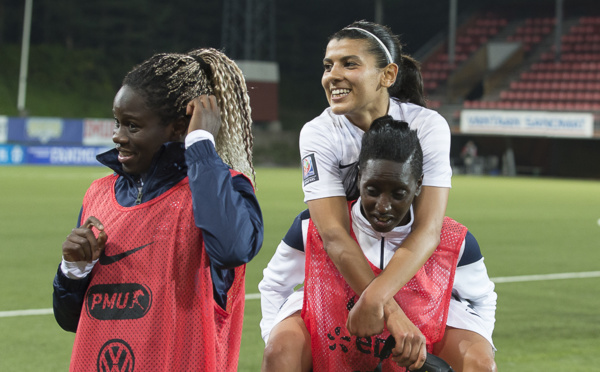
<point x="205" y="114"/>
<point x="411" y="345"/>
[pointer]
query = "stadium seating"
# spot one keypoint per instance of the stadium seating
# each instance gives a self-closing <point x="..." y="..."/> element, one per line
<point x="571" y="83"/>
<point x="532" y="32"/>
<point x="470" y="38"/>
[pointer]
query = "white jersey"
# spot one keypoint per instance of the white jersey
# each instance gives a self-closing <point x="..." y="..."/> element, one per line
<point x="473" y="303"/>
<point x="330" y="145"/>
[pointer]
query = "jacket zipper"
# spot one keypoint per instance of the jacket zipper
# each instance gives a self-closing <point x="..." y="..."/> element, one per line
<point x="381" y="255"/>
<point x="139" y="196"/>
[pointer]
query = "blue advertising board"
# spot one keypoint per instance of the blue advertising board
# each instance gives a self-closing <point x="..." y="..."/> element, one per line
<point x="50" y="155"/>
<point x="12" y="154"/>
<point x="53" y="141"/>
<point x="45" y="131"/>
<point x="63" y="155"/>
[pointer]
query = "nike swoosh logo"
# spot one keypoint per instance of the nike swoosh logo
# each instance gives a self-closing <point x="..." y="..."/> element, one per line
<point x="107" y="260"/>
<point x="342" y="166"/>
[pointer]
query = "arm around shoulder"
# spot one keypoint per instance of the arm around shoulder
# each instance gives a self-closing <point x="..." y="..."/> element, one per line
<point x="419" y="245"/>
<point x="331" y="217"/>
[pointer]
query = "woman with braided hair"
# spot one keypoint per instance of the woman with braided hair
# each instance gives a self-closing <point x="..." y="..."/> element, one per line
<point x="153" y="274"/>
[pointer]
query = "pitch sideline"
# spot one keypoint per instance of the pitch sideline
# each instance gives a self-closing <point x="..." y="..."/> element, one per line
<point x="256" y="296"/>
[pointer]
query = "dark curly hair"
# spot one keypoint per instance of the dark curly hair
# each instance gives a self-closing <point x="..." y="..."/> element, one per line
<point x="390" y="139"/>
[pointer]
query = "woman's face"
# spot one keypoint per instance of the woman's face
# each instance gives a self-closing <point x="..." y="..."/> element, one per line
<point x="353" y="83"/>
<point x="139" y="132"/>
<point x="387" y="189"/>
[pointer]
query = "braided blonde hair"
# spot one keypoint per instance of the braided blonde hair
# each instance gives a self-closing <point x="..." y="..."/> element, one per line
<point x="168" y="81"/>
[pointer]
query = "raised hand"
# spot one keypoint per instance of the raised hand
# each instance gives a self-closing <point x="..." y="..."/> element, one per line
<point x="82" y="244"/>
<point x="205" y="114"/>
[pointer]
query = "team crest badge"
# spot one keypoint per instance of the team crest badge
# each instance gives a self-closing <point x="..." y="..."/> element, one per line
<point x="309" y="169"/>
<point x="115" y="356"/>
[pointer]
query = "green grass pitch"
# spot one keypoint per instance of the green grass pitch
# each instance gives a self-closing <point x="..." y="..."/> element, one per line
<point x="525" y="226"/>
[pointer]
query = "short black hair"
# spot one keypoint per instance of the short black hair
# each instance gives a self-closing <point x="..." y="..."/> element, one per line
<point x="390" y="139"/>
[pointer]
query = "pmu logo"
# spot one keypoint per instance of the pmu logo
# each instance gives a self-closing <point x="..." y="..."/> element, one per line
<point x="118" y="301"/>
<point x="115" y="356"/>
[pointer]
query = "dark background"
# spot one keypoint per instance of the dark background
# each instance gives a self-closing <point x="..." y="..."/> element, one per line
<point x="118" y="34"/>
<point x="80" y="51"/>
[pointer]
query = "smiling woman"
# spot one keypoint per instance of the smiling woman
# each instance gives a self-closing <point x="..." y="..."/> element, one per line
<point x="352" y="82"/>
<point x="157" y="263"/>
<point x="139" y="132"/>
<point x="450" y="302"/>
<point x="363" y="80"/>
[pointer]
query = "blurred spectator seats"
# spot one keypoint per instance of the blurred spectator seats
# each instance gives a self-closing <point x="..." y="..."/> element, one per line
<point x="571" y="82"/>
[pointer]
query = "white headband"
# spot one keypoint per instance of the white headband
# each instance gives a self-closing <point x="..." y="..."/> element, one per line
<point x="385" y="49"/>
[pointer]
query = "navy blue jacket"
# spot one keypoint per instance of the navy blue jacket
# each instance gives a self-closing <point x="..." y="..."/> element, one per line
<point x="225" y="208"/>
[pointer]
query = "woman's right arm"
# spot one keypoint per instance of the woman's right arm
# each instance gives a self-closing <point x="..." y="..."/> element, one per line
<point x="330" y="216"/>
<point x="80" y="251"/>
<point x="326" y="200"/>
<point x="325" y="196"/>
<point x="233" y="235"/>
<point x="329" y="212"/>
<point x="67" y="300"/>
